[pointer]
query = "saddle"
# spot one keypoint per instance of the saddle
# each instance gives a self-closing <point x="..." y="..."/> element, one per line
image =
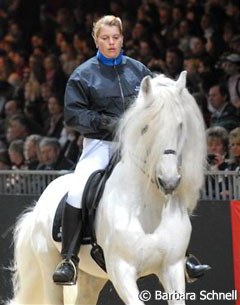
<point x="91" y="197"/>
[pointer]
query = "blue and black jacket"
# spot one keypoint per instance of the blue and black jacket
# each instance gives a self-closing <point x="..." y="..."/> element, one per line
<point x="101" y="86"/>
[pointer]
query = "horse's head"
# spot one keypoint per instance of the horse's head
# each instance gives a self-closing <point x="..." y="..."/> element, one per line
<point x="168" y="128"/>
<point x="163" y="134"/>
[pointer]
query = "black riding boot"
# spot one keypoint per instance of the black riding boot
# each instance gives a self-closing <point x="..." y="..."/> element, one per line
<point x="66" y="271"/>
<point x="194" y="269"/>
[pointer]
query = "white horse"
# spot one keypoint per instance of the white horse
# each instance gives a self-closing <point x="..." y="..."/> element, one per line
<point x="142" y="222"/>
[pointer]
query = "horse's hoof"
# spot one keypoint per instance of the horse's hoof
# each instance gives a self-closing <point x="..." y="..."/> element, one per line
<point x="65" y="273"/>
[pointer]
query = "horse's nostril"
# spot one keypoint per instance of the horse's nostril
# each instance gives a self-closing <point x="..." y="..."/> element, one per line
<point x="178" y="180"/>
<point x="161" y="182"/>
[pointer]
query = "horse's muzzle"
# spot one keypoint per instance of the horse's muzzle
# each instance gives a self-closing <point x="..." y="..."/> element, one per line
<point x="169" y="185"/>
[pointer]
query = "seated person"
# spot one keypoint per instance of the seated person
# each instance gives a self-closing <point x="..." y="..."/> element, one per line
<point x="16" y="154"/>
<point x="234" y="149"/>
<point x="31" y="151"/>
<point x="217" y="148"/>
<point x="223" y="112"/>
<point x="50" y="156"/>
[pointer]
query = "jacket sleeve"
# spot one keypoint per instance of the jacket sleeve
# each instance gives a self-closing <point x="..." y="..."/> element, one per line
<point x="77" y="110"/>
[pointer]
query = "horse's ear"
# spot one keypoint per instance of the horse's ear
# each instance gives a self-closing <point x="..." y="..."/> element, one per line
<point x="181" y="82"/>
<point x="146" y="85"/>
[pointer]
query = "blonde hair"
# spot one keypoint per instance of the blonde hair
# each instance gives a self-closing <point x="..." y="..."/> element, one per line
<point x="106" y="20"/>
<point x="235" y="134"/>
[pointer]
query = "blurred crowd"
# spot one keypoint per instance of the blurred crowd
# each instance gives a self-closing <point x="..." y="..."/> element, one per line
<point x="42" y="42"/>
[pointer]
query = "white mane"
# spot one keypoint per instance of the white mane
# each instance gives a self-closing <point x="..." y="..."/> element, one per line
<point x="149" y="127"/>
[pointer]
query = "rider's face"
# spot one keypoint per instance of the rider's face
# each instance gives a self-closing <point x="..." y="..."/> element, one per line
<point x="109" y="41"/>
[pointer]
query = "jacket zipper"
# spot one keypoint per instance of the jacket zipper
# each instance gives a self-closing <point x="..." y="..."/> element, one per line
<point x="120" y="87"/>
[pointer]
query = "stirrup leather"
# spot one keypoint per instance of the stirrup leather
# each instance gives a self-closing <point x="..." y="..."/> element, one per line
<point x="74" y="280"/>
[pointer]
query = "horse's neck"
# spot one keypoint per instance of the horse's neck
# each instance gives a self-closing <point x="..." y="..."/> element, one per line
<point x="150" y="210"/>
<point x="147" y="201"/>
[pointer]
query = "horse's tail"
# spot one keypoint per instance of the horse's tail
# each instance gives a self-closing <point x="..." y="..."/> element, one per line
<point x="24" y="262"/>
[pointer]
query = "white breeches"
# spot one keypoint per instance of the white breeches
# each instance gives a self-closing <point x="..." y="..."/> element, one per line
<point x="95" y="155"/>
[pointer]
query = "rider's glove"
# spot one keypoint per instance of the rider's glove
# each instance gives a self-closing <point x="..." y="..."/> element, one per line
<point x="108" y="123"/>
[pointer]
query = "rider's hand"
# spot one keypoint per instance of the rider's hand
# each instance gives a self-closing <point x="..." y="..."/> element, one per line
<point x="108" y="123"/>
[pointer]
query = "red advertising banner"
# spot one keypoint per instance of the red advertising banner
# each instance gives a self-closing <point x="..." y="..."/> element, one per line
<point x="235" y="215"/>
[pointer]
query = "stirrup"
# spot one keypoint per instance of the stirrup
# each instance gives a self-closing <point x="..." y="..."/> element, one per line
<point x="74" y="280"/>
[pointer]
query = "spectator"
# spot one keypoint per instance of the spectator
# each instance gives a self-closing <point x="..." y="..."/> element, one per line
<point x="68" y="57"/>
<point x="12" y="107"/>
<point x="19" y="60"/>
<point x="206" y="25"/>
<point x="173" y="63"/>
<point x="234" y="149"/>
<point x="31" y="92"/>
<point x="36" y="70"/>
<point x="184" y="36"/>
<point x="231" y="67"/>
<point x="16" y="154"/>
<point x="198" y="47"/>
<point x="18" y="128"/>
<point x="46" y="93"/>
<point x="54" y="74"/>
<point x="31" y="151"/>
<point x="54" y="124"/>
<point x="37" y="41"/>
<point x="207" y="75"/>
<point x="223" y="113"/>
<point x="16" y="82"/>
<point x="14" y="33"/>
<point x="6" y="91"/>
<point x="217" y="148"/>
<point x="229" y="31"/>
<point x="50" y="156"/>
<point x="6" y="67"/>
<point x="66" y="21"/>
<point x="215" y="46"/>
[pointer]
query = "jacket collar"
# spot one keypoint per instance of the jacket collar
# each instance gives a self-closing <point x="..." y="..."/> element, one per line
<point x="110" y="61"/>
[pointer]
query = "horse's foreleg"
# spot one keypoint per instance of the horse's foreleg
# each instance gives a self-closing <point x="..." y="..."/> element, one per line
<point x="88" y="289"/>
<point x="124" y="278"/>
<point x="173" y="281"/>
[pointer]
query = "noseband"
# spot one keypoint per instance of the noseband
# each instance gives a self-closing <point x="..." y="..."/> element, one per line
<point x="169" y="152"/>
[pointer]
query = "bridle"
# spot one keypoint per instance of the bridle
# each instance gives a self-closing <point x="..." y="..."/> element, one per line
<point x="144" y="162"/>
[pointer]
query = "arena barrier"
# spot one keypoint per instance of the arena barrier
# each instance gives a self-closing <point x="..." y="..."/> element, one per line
<point x="219" y="185"/>
<point x="215" y="240"/>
